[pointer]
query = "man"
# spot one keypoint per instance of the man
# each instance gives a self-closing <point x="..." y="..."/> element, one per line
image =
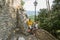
<point x="29" y="23"/>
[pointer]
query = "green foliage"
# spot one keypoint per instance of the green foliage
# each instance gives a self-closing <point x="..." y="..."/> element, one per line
<point x="56" y="5"/>
<point x="22" y="2"/>
<point x="50" y="21"/>
<point x="43" y="18"/>
<point x="31" y="17"/>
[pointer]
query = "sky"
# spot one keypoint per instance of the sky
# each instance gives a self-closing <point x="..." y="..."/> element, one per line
<point x="29" y="4"/>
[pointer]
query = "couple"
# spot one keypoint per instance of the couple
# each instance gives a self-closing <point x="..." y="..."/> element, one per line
<point x="32" y="25"/>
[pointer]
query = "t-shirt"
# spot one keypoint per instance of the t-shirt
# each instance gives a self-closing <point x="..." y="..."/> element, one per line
<point x="29" y="23"/>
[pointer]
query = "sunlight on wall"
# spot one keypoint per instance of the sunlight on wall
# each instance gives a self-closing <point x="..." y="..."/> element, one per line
<point x="6" y="1"/>
<point x="17" y="3"/>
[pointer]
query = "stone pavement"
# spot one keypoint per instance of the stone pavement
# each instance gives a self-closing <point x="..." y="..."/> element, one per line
<point x="39" y="35"/>
<point x="23" y="37"/>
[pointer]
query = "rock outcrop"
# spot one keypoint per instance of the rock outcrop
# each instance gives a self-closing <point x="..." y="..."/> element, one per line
<point x="44" y="35"/>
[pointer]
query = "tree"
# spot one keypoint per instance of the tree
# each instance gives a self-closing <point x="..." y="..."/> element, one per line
<point x="56" y="14"/>
<point x="43" y="19"/>
<point x="56" y="5"/>
<point x="50" y="21"/>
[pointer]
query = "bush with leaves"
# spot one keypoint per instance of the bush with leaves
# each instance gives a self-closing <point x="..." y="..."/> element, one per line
<point x="49" y="21"/>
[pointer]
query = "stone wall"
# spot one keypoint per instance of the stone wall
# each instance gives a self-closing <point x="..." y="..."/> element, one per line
<point x="7" y="19"/>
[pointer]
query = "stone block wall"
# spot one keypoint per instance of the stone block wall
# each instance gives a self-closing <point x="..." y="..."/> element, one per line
<point x="7" y="19"/>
